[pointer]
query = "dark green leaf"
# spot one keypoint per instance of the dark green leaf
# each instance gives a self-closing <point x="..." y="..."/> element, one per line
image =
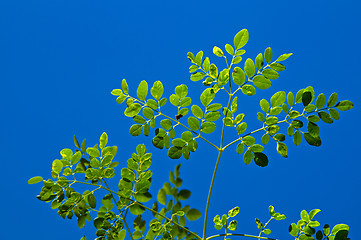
<point x="334" y="114"/>
<point x="313" y="141"/>
<point x="193" y="214"/>
<point x="306" y="98"/>
<point x="313" y="129"/>
<point x="135" y="130"/>
<point x="339" y="227"/>
<point x="260" y="116"/>
<point x="175" y="152"/>
<point x="260" y="159"/>
<point x="344" y="105"/>
<point x="297" y="123"/>
<point x="191" y="57"/>
<point x="81" y="221"/>
<point x="325" y="117"/>
<point x="332" y="100"/>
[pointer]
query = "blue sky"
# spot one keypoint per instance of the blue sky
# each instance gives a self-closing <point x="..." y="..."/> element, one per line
<point x="61" y="59"/>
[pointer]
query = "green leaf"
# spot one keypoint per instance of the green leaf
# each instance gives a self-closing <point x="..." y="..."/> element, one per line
<point x="213" y="71"/>
<point x="268" y="55"/>
<point x="325" y="117"/>
<point x="344" y="105"/>
<point x="241" y="39"/>
<point x="232" y="225"/>
<point x="206" y="64"/>
<point x="193" y="214"/>
<point x="178" y="142"/>
<point x="197" y="111"/>
<point x="241" y="128"/>
<point x="162" y="197"/>
<point x="334" y="114"/>
<point x="332" y="100"/>
<point x="261" y="82"/>
<point x="125" y="86"/>
<point x="313" y="213"/>
<point x="248" y="156"/>
<point x="199" y="57"/>
<point x="240" y="52"/>
<point x="175" y="152"/>
<point x="248" y="90"/>
<point x="132" y="110"/>
<point x="207" y="97"/>
<point x="260" y="159"/>
<point x="186" y="102"/>
<point x="191" y="57"/>
<point x="306" y="98"/>
<point x="249" y="68"/>
<point x="313" y="141"/>
<point x="293" y="230"/>
<point x="273" y="129"/>
<point x="81" y="221"/>
<point x="239" y="118"/>
<point x="135" y="130"/>
<point x="103" y="140"/>
<point x="127" y="174"/>
<point x="267" y="231"/>
<point x="313" y="118"/>
<point x="91" y="200"/>
<point x="57" y="166"/>
<point x="278" y="98"/>
<point x="197" y="76"/>
<point x="282" y="149"/>
<point x="279" y="67"/>
<point x="259" y="61"/>
<point x="240" y="148"/>
<point x="237" y="60"/>
<point x="297" y="123"/>
<point x="34" y="180"/>
<point x="260" y="116"/>
<point x="193" y="123"/>
<point x="271" y="211"/>
<point x="339" y="227"/>
<point x="193" y="68"/>
<point x="184" y="194"/>
<point x="181" y="91"/>
<point x="217" y="51"/>
<point x="234" y="105"/>
<point x="280" y="137"/>
<point x="135" y="209"/>
<point x="275" y="110"/>
<point x="321" y="100"/>
<point x="214" y="107"/>
<point x="270" y="74"/>
<point x="283" y="57"/>
<point x="256" y="148"/>
<point x="166" y="124"/>
<point x="264" y="105"/>
<point x="142" y="90"/>
<point x="265" y="139"/>
<point x="248" y="140"/>
<point x="212" y="116"/>
<point x="313" y="129"/>
<point x="152" y="104"/>
<point x="304" y="216"/>
<point x="326" y="229"/>
<point x="238" y="76"/>
<point x="297" y="138"/>
<point x="157" y="90"/>
<point x="229" y="49"/>
<point x="208" y="127"/>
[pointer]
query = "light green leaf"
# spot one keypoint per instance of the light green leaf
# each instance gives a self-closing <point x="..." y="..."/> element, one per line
<point x="284" y="57"/>
<point x="217" y="51"/>
<point x="181" y="91"/>
<point x="193" y="123"/>
<point x="152" y="104"/>
<point x="248" y="140"/>
<point x="293" y="230"/>
<point x="241" y="39"/>
<point x="157" y="90"/>
<point x="264" y="105"/>
<point x="234" y="105"/>
<point x="261" y="82"/>
<point x="191" y="57"/>
<point x="213" y="71"/>
<point x="186" y="102"/>
<point x="242" y="127"/>
<point x="259" y="61"/>
<point x="297" y="138"/>
<point x="238" y="76"/>
<point x="199" y="57"/>
<point x="162" y="197"/>
<point x="278" y="98"/>
<point x="248" y="90"/>
<point x="268" y="55"/>
<point x="240" y="148"/>
<point x="193" y="68"/>
<point x="282" y="149"/>
<point x="142" y="90"/>
<point x="197" y="76"/>
<point x="249" y="67"/>
<point x="207" y="97"/>
<point x="214" y="107"/>
<point x="125" y="86"/>
<point x="270" y="74"/>
<point x="279" y="67"/>
<point x="237" y="60"/>
<point x="34" y="180"/>
<point x="313" y="213"/>
<point x="103" y="140"/>
<point x="197" y="111"/>
<point x="265" y="139"/>
<point x="304" y="216"/>
<point x="339" y="227"/>
<point x="132" y="110"/>
<point x="321" y="100"/>
<point x="256" y="148"/>
<point x="166" y="124"/>
<point x="208" y="127"/>
<point x="57" y="166"/>
<point x="212" y="116"/>
<point x="229" y="49"/>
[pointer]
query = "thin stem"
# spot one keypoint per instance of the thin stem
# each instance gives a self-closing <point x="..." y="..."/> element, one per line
<point x="220" y="150"/>
<point x="239" y="235"/>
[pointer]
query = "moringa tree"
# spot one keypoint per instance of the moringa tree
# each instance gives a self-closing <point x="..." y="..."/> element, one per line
<point x="284" y="115"/>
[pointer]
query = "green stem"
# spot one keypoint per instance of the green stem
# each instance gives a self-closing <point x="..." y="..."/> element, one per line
<point x="220" y="150"/>
<point x="240" y="235"/>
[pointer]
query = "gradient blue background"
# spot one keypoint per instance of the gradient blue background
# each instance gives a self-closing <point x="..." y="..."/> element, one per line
<point x="59" y="61"/>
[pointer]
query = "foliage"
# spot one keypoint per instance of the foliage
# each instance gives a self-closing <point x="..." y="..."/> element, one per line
<point x="284" y="115"/>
